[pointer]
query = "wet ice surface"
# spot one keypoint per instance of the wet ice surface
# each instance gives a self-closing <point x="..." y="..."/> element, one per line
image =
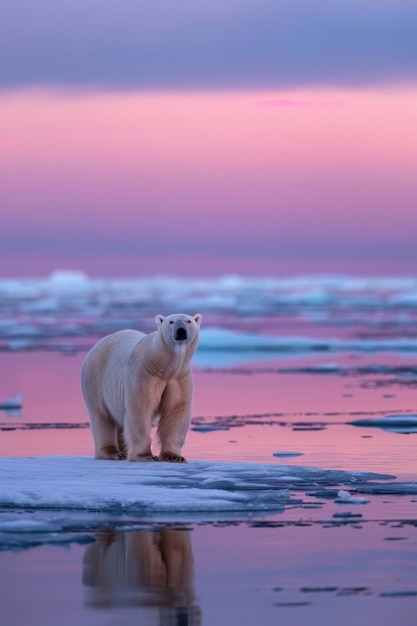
<point x="44" y="499"/>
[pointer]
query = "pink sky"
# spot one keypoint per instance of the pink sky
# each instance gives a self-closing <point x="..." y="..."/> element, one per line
<point x="121" y="184"/>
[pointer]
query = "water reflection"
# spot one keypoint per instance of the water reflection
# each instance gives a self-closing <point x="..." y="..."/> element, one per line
<point x="152" y="569"/>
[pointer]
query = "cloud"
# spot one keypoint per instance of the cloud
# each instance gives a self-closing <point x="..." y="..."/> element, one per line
<point x="300" y="103"/>
<point x="206" y="45"/>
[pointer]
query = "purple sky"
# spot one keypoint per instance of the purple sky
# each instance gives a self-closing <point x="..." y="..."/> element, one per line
<point x="207" y="138"/>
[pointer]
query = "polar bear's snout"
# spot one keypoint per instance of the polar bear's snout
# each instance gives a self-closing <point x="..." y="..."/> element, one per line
<point x="180" y="332"/>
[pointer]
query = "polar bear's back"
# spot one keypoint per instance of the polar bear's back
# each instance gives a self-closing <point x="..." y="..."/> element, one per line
<point x="113" y="350"/>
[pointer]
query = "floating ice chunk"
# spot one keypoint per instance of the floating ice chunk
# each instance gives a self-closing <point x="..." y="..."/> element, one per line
<point x="16" y="345"/>
<point x="404" y="299"/>
<point x="287" y="453"/>
<point x="345" y="497"/>
<point x="205" y="428"/>
<point x="12" y="403"/>
<point x="323" y="368"/>
<point x="12" y="406"/>
<point x="26" y="540"/>
<point x="389" y="488"/>
<point x="42" y="306"/>
<point x="26" y="529"/>
<point x="318" y="589"/>
<point x="19" y="524"/>
<point x="393" y="423"/>
<point x="347" y="516"/>
<point x="406" y="593"/>
<point x="21" y="331"/>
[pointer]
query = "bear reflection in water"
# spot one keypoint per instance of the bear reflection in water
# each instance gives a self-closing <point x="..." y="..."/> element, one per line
<point x="143" y="568"/>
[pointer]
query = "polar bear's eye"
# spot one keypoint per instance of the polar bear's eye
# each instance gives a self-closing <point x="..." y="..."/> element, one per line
<point x="188" y="321"/>
<point x="171" y="321"/>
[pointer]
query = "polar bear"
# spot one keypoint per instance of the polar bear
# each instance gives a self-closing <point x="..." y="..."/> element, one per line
<point x="129" y="379"/>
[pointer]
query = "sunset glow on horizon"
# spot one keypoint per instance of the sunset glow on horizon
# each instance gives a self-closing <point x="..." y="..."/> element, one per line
<point x="223" y="172"/>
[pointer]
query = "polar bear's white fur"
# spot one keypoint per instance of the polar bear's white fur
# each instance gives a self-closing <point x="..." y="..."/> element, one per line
<point x="128" y="379"/>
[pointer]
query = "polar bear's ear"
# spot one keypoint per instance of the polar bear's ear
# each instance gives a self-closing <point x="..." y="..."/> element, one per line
<point x="198" y="318"/>
<point x="159" y="319"/>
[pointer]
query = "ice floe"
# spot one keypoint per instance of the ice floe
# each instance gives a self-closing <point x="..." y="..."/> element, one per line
<point x="14" y="402"/>
<point x="65" y="499"/>
<point x="287" y="453"/>
<point x="393" y="423"/>
<point x="12" y="406"/>
<point x="346" y="498"/>
<point x="21" y="530"/>
<point x="81" y="483"/>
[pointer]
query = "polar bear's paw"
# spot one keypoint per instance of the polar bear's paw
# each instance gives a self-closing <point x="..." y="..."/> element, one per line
<point x="172" y="458"/>
<point x="110" y="453"/>
<point x="143" y="458"/>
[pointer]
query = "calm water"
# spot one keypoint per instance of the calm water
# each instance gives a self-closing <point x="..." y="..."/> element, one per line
<point x="296" y="566"/>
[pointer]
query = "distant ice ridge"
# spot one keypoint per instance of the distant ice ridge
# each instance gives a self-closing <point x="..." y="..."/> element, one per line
<point x="68" y="311"/>
<point x="229" y="340"/>
<point x="220" y="347"/>
<point x="217" y="346"/>
<point x="199" y="487"/>
<point x="246" y="294"/>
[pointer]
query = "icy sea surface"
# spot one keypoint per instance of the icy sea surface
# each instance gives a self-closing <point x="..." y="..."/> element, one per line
<point x="299" y="500"/>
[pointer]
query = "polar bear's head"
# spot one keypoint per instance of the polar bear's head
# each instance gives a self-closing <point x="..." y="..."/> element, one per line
<point x="179" y="328"/>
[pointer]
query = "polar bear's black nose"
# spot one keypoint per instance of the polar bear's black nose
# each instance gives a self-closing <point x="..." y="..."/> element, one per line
<point x="181" y="334"/>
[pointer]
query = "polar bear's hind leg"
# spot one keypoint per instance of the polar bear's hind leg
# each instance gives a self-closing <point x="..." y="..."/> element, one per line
<point x="104" y="428"/>
<point x="106" y="436"/>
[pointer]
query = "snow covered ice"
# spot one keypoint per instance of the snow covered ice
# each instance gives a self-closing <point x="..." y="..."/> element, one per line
<point x="65" y="482"/>
<point x="58" y="499"/>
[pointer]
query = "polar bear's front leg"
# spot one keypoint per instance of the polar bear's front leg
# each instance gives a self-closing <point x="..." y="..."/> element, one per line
<point x="138" y="438"/>
<point x="140" y="410"/>
<point x="175" y="419"/>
